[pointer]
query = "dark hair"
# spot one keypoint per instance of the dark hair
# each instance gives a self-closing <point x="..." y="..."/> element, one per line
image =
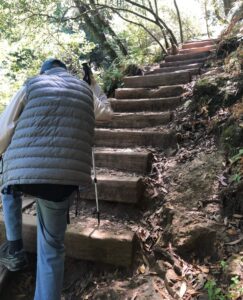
<point x="51" y="63"/>
<point x="87" y="73"/>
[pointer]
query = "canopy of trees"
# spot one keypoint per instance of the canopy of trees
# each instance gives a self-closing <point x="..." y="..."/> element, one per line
<point x="106" y="33"/>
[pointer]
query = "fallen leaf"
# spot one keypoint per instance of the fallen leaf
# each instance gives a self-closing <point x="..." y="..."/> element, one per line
<point x="204" y="269"/>
<point x="155" y="194"/>
<point x="172" y="276"/>
<point x="222" y="180"/>
<point x="142" y="269"/>
<point x="183" y="289"/>
<point x="237" y="216"/>
<point x="134" y="296"/>
<point x="231" y="231"/>
<point x="164" y="190"/>
<point x="143" y="234"/>
<point x="201" y="280"/>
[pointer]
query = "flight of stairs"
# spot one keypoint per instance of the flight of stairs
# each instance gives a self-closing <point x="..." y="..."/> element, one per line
<point x="143" y="108"/>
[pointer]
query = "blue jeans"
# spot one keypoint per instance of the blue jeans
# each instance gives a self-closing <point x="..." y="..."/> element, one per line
<point x="51" y="226"/>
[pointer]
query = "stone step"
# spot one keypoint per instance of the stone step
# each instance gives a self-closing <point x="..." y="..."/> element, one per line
<point x="114" y="188"/>
<point x="179" y="57"/>
<point x="120" y="138"/>
<point x="160" y="92"/>
<point x="183" y="62"/>
<point x="197" y="50"/>
<point x="181" y="77"/>
<point x="136" y="105"/>
<point x="194" y="69"/>
<point x="27" y="202"/>
<point x="138" y="120"/>
<point x="196" y="44"/>
<point x="115" y="247"/>
<point x="128" y="160"/>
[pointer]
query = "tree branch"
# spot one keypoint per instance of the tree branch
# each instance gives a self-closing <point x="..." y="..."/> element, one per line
<point x="157" y="18"/>
<point x="156" y="7"/>
<point x="179" y="20"/>
<point x="144" y="27"/>
<point x="126" y="10"/>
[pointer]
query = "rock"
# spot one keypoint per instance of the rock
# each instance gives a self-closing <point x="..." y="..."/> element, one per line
<point x="194" y="238"/>
<point x="235" y="266"/>
<point x="232" y="199"/>
<point x="160" y="268"/>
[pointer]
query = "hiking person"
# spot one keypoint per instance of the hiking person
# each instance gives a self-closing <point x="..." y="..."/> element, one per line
<point x="46" y="136"/>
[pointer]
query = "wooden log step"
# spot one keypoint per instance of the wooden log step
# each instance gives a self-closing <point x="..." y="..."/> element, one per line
<point x="160" y="92"/>
<point x="181" y="77"/>
<point x="136" y="105"/>
<point x="192" y="68"/>
<point x="115" y="247"/>
<point x="128" y="160"/>
<point x="192" y="71"/>
<point x="27" y="202"/>
<point x="183" y="62"/>
<point x="113" y="188"/>
<point x="138" y="120"/>
<point x="120" y="138"/>
<point x="179" y="57"/>
<point x="197" y="50"/>
<point x="198" y="44"/>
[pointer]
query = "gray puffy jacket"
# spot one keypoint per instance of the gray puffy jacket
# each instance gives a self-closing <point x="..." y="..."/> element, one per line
<point x="53" y="138"/>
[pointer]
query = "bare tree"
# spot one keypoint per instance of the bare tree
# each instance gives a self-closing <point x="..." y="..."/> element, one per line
<point x="206" y="14"/>
<point x="179" y="20"/>
<point x="103" y="24"/>
<point x="95" y="29"/>
<point x="148" y="13"/>
<point x="228" y="5"/>
<point x="218" y="11"/>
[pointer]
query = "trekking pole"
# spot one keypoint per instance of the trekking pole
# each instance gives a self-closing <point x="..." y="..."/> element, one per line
<point x="96" y="190"/>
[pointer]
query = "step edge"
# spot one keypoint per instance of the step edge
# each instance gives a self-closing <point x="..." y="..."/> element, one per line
<point x="91" y="234"/>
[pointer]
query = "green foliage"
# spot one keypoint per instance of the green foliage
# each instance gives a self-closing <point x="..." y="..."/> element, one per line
<point x="142" y="48"/>
<point x="231" y="139"/>
<point x="32" y="31"/>
<point x="215" y="92"/>
<point x="223" y="265"/>
<point x="22" y="57"/>
<point x="235" y="288"/>
<point x="237" y="168"/>
<point x="214" y="292"/>
<point x="112" y="77"/>
<point x="142" y="51"/>
<point x="237" y="157"/>
<point x="236" y="178"/>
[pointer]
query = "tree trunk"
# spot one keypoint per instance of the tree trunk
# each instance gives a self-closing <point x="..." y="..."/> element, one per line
<point x="228" y="5"/>
<point x="103" y="24"/>
<point x="217" y="12"/>
<point x="145" y="28"/>
<point x="158" y="21"/>
<point x="179" y="20"/>
<point x="206" y="18"/>
<point x="97" y="32"/>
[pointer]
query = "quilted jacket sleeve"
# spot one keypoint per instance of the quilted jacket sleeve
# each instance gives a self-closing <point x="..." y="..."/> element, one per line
<point x="9" y="118"/>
